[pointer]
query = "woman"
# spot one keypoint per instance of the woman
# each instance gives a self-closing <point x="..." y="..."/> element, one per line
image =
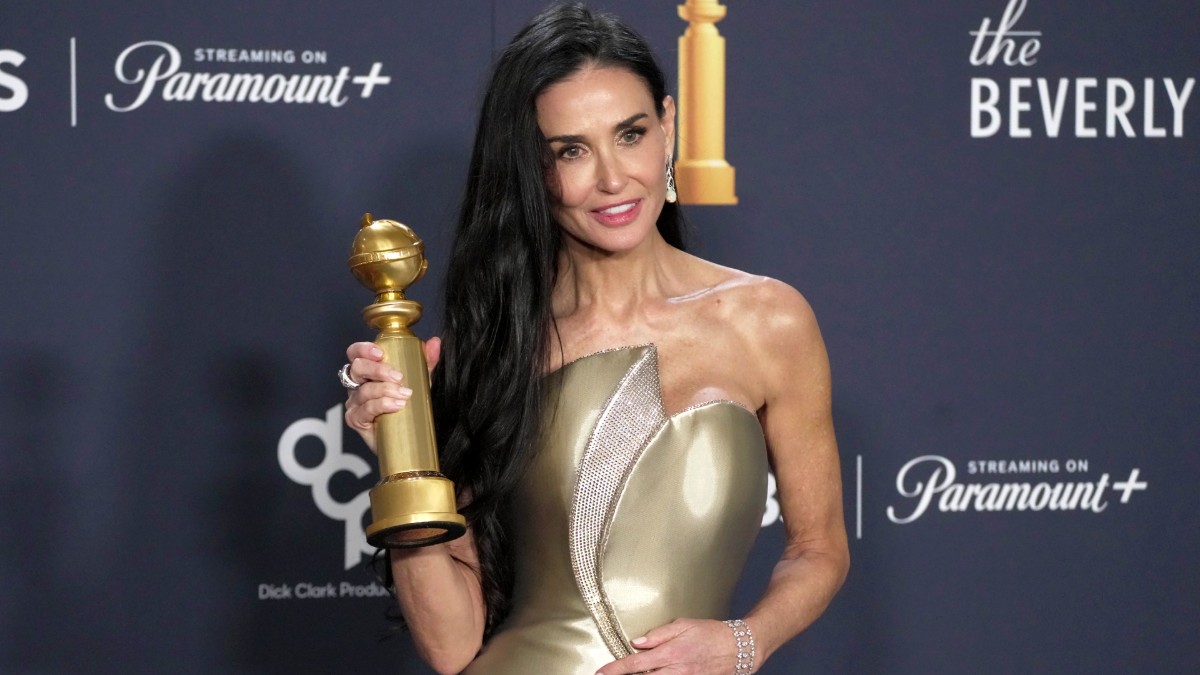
<point x="606" y="403"/>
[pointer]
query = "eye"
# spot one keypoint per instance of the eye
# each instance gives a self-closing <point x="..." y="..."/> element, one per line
<point x="570" y="152"/>
<point x="631" y="135"/>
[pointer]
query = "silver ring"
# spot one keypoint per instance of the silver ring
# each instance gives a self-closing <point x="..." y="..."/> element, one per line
<point x="347" y="381"/>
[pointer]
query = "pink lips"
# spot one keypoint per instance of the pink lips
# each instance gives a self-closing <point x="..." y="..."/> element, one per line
<point x="615" y="215"/>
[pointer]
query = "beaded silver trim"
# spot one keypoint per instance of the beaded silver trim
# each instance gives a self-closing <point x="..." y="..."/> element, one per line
<point x="608" y="350"/>
<point x="630" y="417"/>
<point x="745" y="646"/>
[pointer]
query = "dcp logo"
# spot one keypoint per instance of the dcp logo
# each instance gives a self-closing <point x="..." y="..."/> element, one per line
<point x="13" y="91"/>
<point x="329" y="432"/>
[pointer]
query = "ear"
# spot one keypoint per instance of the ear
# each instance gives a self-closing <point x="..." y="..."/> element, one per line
<point x="668" y="125"/>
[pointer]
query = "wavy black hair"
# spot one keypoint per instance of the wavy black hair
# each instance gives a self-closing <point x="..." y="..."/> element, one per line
<point x="487" y="389"/>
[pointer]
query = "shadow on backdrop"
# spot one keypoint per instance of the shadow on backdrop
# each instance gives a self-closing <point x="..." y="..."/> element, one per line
<point x="38" y="605"/>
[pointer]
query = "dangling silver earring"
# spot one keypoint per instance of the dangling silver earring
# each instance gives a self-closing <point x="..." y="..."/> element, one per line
<point x="671" y="196"/>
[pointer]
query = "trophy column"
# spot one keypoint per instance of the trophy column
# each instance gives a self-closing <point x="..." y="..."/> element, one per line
<point x="413" y="504"/>
<point x="704" y="175"/>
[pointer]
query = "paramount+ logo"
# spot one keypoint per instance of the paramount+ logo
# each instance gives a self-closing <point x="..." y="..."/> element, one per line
<point x="153" y="69"/>
<point x="156" y="71"/>
<point x="933" y="483"/>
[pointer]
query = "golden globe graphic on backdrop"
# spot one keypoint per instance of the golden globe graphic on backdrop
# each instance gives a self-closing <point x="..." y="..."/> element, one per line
<point x="703" y="175"/>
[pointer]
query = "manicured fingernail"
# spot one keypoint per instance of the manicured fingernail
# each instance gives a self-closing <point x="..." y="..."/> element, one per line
<point x="639" y="641"/>
<point x="393" y="404"/>
<point x="405" y="391"/>
<point x="376" y="352"/>
<point x="396" y="376"/>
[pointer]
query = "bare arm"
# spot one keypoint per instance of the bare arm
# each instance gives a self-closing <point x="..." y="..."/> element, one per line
<point x="437" y="586"/>
<point x="440" y="596"/>
<point x="798" y="423"/>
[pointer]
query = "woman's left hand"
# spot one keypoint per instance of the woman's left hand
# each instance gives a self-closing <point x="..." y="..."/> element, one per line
<point x="684" y="646"/>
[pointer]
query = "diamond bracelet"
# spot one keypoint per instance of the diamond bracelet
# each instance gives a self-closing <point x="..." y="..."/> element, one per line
<point x="745" y="646"/>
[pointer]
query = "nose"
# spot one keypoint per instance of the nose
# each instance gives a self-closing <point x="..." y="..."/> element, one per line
<point x="610" y="174"/>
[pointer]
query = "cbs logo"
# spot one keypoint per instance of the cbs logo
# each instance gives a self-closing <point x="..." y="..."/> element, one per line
<point x="13" y="91"/>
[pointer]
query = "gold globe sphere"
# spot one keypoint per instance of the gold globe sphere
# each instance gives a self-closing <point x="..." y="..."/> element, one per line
<point x="387" y="256"/>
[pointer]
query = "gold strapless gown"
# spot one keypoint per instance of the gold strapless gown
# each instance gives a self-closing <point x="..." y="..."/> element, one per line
<point x="628" y="519"/>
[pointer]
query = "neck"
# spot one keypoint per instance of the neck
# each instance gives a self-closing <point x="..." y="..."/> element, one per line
<point x="614" y="283"/>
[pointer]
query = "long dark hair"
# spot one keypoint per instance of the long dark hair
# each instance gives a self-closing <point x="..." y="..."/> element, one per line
<point x="487" y="389"/>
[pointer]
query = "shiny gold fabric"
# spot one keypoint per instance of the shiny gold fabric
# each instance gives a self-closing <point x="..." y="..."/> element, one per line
<point x="629" y="519"/>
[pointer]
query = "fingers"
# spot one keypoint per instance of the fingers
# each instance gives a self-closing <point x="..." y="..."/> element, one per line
<point x="382" y="389"/>
<point x="657" y="636"/>
<point x="364" y="350"/>
<point x="646" y="660"/>
<point x="433" y="352"/>
<point x="368" y="402"/>
<point x="366" y="365"/>
<point x="361" y="410"/>
<point x="365" y="370"/>
<point x="366" y="361"/>
<point x="381" y="397"/>
<point x="682" y="646"/>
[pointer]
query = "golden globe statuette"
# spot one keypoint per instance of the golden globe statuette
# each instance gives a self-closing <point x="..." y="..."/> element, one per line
<point x="413" y="504"/>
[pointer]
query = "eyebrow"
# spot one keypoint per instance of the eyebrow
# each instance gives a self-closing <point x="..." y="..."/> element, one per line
<point x="576" y="138"/>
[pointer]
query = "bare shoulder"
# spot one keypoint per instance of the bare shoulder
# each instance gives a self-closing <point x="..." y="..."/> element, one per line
<point x="750" y="336"/>
<point x="770" y="314"/>
<point x="779" y="339"/>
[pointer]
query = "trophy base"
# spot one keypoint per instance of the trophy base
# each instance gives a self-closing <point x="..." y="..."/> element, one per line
<point x="431" y="528"/>
<point x="414" y="509"/>
<point x="705" y="181"/>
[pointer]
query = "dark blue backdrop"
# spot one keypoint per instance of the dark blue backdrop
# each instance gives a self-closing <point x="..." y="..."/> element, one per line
<point x="175" y="296"/>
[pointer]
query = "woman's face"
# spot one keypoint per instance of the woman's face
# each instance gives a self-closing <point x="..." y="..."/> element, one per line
<point x="610" y="149"/>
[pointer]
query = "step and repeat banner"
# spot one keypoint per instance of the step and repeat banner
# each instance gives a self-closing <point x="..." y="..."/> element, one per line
<point x="991" y="205"/>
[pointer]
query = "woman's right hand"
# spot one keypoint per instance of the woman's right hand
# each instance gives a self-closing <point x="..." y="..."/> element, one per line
<point x="383" y="388"/>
